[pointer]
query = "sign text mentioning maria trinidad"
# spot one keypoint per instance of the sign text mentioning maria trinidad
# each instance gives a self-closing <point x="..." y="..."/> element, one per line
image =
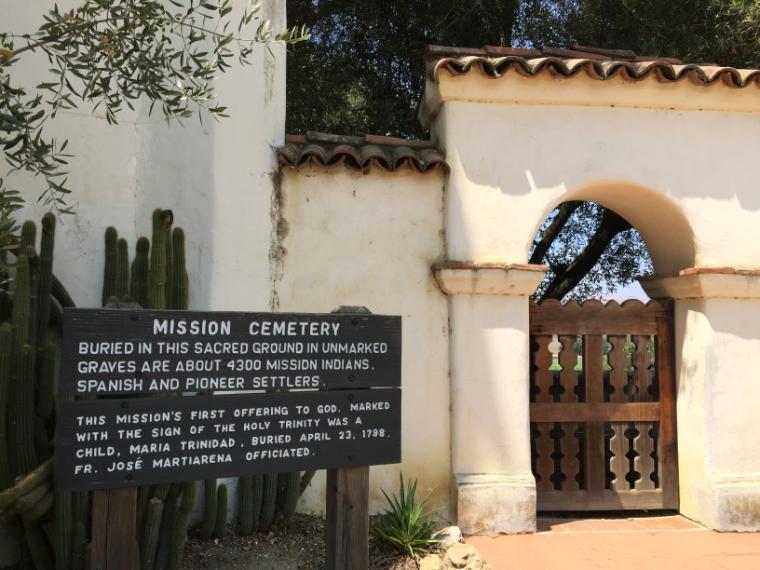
<point x="112" y="443"/>
<point x="135" y="351"/>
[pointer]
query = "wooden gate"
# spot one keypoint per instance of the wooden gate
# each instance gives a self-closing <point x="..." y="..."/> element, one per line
<point x="602" y="412"/>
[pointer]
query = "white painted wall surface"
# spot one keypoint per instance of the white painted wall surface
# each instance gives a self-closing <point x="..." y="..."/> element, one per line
<point x="677" y="161"/>
<point x="369" y="239"/>
<point x="511" y="164"/>
<point x="216" y="177"/>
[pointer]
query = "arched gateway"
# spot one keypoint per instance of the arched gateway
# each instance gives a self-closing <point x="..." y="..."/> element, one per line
<point x="671" y="148"/>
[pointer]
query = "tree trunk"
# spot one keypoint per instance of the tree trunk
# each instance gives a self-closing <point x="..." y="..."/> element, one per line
<point x="566" y="210"/>
<point x="565" y="281"/>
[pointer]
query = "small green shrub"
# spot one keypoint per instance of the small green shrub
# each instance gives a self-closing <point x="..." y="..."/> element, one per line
<point x="405" y="525"/>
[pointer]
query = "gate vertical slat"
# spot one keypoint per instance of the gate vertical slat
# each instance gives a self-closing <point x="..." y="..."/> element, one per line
<point x="643" y="443"/>
<point x="570" y="463"/>
<point x="665" y="371"/>
<point x="542" y="361"/>
<point x="619" y="444"/>
<point x="545" y="462"/>
<point x="595" y="447"/>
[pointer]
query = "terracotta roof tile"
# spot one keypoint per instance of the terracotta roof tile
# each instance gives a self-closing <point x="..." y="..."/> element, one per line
<point x="597" y="63"/>
<point x="360" y="153"/>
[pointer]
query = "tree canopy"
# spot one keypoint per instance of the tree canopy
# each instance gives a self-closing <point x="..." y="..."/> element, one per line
<point x="363" y="72"/>
<point x="107" y="54"/>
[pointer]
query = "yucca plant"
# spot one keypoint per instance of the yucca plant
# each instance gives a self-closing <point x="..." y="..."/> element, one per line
<point x="405" y="525"/>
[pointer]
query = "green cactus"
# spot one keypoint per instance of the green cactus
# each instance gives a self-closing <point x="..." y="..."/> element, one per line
<point x="290" y="491"/>
<point x="21" y="302"/>
<point x="257" y="498"/>
<point x="6" y="342"/>
<point x="143" y="496"/>
<point x="179" y="537"/>
<point x="138" y="283"/>
<point x="157" y="271"/>
<point x="179" y="289"/>
<point x="22" y="418"/>
<point x="63" y="531"/>
<point x="220" y="525"/>
<point x="245" y="505"/>
<point x="45" y="279"/>
<point x="149" y="543"/>
<point x="169" y="261"/>
<point x="168" y="522"/>
<point x="28" y="234"/>
<point x="209" y="509"/>
<point x="269" y="502"/>
<point x="122" y="269"/>
<point x="109" y="270"/>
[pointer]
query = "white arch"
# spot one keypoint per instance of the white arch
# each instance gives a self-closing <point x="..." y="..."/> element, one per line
<point x="661" y="223"/>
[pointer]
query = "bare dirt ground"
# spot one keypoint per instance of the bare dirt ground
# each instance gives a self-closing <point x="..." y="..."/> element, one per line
<point x="297" y="543"/>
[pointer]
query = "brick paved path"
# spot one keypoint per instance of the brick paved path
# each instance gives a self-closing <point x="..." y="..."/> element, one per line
<point x="669" y="542"/>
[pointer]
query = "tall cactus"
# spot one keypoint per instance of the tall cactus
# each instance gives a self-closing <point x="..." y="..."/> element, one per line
<point x="220" y="525"/>
<point x="28" y="234"/>
<point x="109" y="270"/>
<point x="138" y="282"/>
<point x="149" y="542"/>
<point x="23" y="414"/>
<point x="269" y="502"/>
<point x="179" y="289"/>
<point x="6" y="340"/>
<point x="122" y="269"/>
<point x="209" y="509"/>
<point x="45" y="279"/>
<point x="179" y="536"/>
<point x="245" y="505"/>
<point x="157" y="272"/>
<point x="257" y="500"/>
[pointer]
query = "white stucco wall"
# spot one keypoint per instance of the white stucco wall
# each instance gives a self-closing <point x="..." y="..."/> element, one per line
<point x="512" y="163"/>
<point x="216" y="177"/>
<point x="676" y="160"/>
<point x="369" y="239"/>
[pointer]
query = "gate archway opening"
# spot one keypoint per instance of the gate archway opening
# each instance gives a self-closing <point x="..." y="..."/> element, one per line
<point x="602" y="392"/>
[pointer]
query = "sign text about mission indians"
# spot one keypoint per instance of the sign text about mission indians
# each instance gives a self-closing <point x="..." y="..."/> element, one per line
<point x="112" y="443"/>
<point x="137" y="351"/>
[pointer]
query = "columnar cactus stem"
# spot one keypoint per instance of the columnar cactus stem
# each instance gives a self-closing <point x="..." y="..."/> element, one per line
<point x="122" y="269"/>
<point x="6" y="343"/>
<point x="28" y="234"/>
<point x="138" y="286"/>
<point x="220" y="526"/>
<point x="179" y="291"/>
<point x="269" y="502"/>
<point x="45" y="280"/>
<point x="150" y="536"/>
<point x="179" y="537"/>
<point x="157" y="272"/>
<point x="109" y="271"/>
<point x="23" y="416"/>
<point x="245" y="505"/>
<point x="209" y="509"/>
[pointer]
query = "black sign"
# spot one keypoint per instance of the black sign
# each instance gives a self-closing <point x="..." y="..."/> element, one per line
<point x="116" y="443"/>
<point x="117" y="351"/>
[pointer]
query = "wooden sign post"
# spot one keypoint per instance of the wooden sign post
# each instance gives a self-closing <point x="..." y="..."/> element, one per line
<point x="313" y="392"/>
<point x="347" y="508"/>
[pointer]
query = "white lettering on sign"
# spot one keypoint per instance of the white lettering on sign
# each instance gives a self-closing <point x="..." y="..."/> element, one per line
<point x="196" y="327"/>
<point x="293" y="328"/>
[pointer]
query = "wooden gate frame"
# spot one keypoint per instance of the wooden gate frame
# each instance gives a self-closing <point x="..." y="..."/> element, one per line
<point x="594" y="319"/>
